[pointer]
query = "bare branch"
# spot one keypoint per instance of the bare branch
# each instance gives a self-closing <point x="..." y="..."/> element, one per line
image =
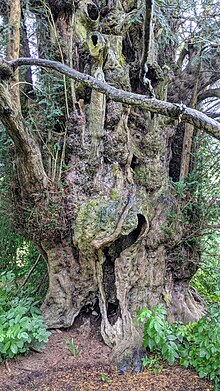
<point x="210" y="93"/>
<point x="172" y="110"/>
<point x="30" y="272"/>
<point x="182" y="56"/>
<point x="147" y="36"/>
<point x="215" y="116"/>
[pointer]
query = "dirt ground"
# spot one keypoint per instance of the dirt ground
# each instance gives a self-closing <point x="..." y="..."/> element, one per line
<point x="55" y="369"/>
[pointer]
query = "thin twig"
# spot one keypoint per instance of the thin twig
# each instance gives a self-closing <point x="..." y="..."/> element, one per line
<point x="34" y="349"/>
<point x="42" y="281"/>
<point x="30" y="272"/>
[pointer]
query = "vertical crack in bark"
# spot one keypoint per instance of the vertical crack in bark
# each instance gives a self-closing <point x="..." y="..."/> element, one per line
<point x="176" y="147"/>
<point x="134" y="162"/>
<point x="111" y="253"/>
<point x="112" y="303"/>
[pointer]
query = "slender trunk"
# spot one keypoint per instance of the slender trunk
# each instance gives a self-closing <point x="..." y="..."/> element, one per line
<point x="188" y="135"/>
<point x="14" y="45"/>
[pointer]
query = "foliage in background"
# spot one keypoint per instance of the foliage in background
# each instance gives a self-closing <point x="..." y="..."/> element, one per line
<point x="197" y="210"/>
<point x="196" y="343"/>
<point x="21" y="324"/>
<point x="207" y="279"/>
<point x="16" y="252"/>
<point x="19" y="255"/>
<point x="46" y="118"/>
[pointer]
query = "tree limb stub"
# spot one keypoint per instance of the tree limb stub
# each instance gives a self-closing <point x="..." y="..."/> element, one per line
<point x="172" y="110"/>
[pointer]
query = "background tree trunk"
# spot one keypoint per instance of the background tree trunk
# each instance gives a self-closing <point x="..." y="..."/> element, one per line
<point x="14" y="45"/>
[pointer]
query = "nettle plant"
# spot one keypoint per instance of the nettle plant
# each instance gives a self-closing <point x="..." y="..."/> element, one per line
<point x="196" y="344"/>
<point x="21" y="324"/>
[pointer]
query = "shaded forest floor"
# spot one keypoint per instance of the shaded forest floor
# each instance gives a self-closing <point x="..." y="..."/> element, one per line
<point x="55" y="369"/>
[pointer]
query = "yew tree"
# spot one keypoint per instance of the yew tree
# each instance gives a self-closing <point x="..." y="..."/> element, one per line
<point x="105" y="103"/>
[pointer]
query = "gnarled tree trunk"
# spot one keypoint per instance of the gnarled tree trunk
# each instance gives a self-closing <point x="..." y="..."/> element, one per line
<point x="106" y="233"/>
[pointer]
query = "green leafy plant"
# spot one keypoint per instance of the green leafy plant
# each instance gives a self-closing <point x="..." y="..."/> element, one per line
<point x="196" y="344"/>
<point x="200" y="343"/>
<point x="153" y="363"/>
<point x="104" y="378"/>
<point x="21" y="325"/>
<point x="159" y="335"/>
<point x="180" y="189"/>
<point x="72" y="347"/>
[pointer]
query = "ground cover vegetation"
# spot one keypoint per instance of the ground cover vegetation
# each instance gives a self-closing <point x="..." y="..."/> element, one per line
<point x="21" y="324"/>
<point x="110" y="176"/>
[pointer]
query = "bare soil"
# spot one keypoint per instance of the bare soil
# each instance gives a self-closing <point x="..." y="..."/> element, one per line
<point x="55" y="369"/>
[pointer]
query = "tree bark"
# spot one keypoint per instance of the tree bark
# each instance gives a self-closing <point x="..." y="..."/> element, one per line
<point x="14" y="45"/>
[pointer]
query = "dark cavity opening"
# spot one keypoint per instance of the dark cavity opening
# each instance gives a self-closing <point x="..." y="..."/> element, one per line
<point x="127" y="49"/>
<point x="112" y="303"/>
<point x="111" y="253"/>
<point x="151" y="75"/>
<point x="93" y="11"/>
<point x="126" y="241"/>
<point x="176" y="148"/>
<point x="89" y="311"/>
<point x="94" y="39"/>
<point x="134" y="162"/>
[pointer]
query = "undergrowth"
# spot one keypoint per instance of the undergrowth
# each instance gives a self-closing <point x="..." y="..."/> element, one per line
<point x="21" y="323"/>
<point x="196" y="344"/>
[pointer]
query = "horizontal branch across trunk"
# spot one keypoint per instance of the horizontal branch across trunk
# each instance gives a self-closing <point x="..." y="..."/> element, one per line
<point x="172" y="110"/>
